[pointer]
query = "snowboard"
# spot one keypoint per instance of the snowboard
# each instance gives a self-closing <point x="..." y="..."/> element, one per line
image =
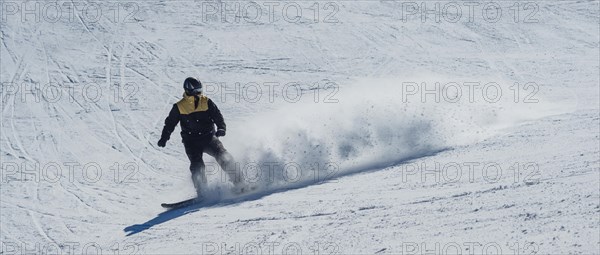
<point x="196" y="200"/>
<point x="181" y="204"/>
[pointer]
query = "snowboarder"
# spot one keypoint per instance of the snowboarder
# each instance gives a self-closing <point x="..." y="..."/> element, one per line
<point x="198" y="116"/>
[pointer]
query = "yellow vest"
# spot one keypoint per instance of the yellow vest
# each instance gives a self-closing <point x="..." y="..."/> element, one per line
<point x="187" y="106"/>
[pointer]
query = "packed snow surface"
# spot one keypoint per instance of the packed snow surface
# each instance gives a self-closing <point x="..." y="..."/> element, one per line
<point x="365" y="127"/>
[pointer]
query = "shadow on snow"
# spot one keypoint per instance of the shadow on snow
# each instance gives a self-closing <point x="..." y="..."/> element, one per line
<point x="176" y="213"/>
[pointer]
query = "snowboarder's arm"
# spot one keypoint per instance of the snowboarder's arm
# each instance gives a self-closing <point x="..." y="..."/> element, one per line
<point x="170" y="123"/>
<point x="216" y="115"/>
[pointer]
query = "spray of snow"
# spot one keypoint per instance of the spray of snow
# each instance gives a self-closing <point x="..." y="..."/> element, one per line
<point x="373" y="124"/>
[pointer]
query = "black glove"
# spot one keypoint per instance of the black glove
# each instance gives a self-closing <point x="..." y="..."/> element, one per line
<point x="220" y="132"/>
<point x="162" y="142"/>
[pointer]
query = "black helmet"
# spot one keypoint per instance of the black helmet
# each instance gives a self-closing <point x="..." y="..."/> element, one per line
<point x="192" y="86"/>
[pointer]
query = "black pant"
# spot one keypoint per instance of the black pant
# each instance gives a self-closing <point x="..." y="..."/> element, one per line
<point x="194" y="148"/>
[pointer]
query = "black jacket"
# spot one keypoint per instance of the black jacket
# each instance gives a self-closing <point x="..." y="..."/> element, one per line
<point x="198" y="116"/>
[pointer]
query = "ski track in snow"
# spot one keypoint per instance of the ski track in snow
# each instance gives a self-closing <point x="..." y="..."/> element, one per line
<point x="370" y="205"/>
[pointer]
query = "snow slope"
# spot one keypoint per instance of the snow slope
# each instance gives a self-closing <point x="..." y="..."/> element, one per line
<point x="363" y="164"/>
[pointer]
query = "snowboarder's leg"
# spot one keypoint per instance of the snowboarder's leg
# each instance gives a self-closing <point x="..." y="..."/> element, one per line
<point x="216" y="149"/>
<point x="194" y="151"/>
